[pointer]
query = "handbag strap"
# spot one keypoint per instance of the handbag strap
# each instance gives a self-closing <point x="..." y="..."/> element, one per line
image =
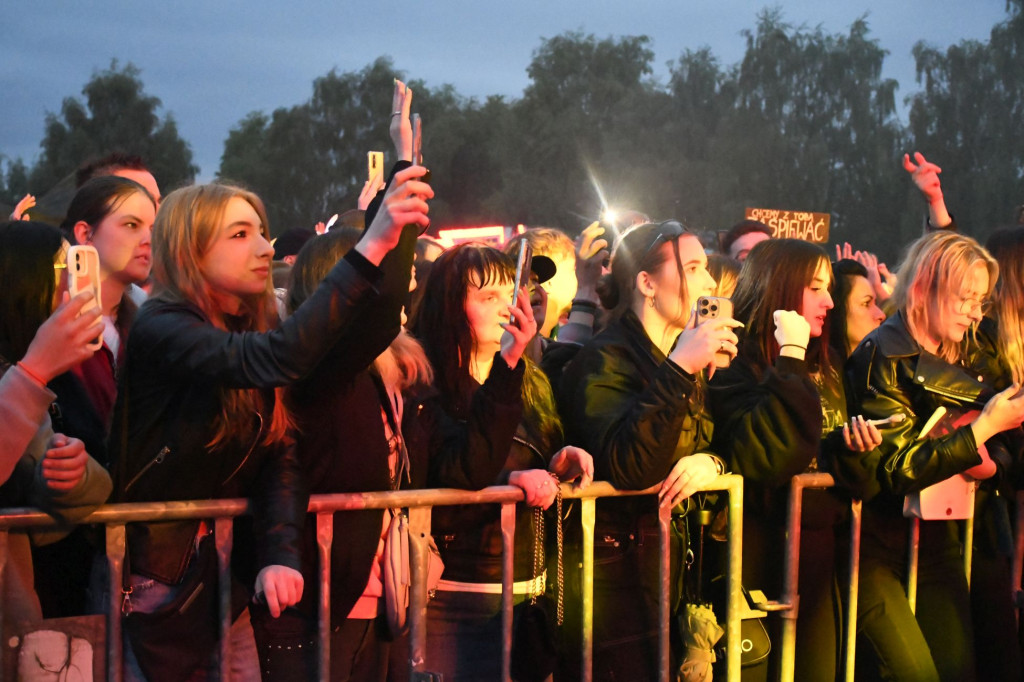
<point x="538" y="550"/>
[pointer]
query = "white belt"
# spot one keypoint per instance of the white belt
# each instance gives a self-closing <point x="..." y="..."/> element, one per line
<point x="534" y="587"/>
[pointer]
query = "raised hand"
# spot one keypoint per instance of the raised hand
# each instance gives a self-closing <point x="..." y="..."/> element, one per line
<point x="591" y="255"/>
<point x="696" y="347"/>
<point x="19" y="213"/>
<point x="925" y="175"/>
<point x="62" y="341"/>
<point x="519" y="330"/>
<point x="405" y="203"/>
<point x="401" y="128"/>
<point x="792" y="332"/>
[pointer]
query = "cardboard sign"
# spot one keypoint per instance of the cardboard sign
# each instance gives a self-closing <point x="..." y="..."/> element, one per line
<point x="811" y="227"/>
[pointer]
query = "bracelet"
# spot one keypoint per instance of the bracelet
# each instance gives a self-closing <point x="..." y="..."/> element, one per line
<point x="792" y="345"/>
<point x="583" y="303"/>
<point x="32" y="375"/>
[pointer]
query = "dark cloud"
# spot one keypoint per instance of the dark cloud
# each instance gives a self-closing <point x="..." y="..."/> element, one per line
<point x="213" y="63"/>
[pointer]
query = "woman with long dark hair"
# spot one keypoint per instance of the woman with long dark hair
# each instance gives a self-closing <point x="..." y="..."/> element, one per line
<point x="475" y="340"/>
<point x="856" y="311"/>
<point x="780" y="410"/>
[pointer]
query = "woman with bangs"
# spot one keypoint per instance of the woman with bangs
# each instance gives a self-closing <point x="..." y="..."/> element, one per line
<point x="780" y="410"/>
<point x="911" y="365"/>
<point x="495" y="410"/>
<point x="200" y="415"/>
<point x="634" y="396"/>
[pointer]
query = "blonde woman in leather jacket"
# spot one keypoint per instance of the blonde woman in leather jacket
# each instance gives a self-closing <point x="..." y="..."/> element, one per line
<point x="911" y="365"/>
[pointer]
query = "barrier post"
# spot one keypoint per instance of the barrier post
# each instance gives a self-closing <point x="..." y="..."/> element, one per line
<point x="856" y="511"/>
<point x="419" y="557"/>
<point x="324" y="541"/>
<point x="508" y="532"/>
<point x="734" y="581"/>
<point x="223" y="535"/>
<point x="115" y="546"/>
<point x="665" y="590"/>
<point x="587" y="514"/>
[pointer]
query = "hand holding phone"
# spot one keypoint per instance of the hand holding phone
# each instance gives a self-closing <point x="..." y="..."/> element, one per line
<point x="710" y="308"/>
<point x="84" y="273"/>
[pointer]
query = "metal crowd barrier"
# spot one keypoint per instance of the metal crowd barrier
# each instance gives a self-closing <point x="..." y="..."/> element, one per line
<point x="115" y="516"/>
<point x="788" y="606"/>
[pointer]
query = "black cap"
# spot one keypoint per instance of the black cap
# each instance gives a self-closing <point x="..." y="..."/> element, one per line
<point x="543" y="267"/>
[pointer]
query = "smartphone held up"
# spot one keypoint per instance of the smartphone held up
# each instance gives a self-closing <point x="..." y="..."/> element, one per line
<point x="84" y="274"/>
<point x="710" y="308"/>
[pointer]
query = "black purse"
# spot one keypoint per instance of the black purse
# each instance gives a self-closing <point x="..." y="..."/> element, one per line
<point x="181" y="636"/>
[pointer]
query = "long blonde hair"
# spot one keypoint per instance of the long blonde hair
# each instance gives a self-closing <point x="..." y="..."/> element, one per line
<point x="934" y="268"/>
<point x="186" y="228"/>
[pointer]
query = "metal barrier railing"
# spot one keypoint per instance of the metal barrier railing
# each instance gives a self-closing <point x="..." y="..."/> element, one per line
<point x="114" y="517"/>
<point x="788" y="606"/>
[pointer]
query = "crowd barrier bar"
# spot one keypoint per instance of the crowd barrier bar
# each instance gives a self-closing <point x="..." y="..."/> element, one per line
<point x="788" y="607"/>
<point x="115" y="516"/>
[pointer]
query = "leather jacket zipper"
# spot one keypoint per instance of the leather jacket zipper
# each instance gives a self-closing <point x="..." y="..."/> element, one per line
<point x="255" y="442"/>
<point x="160" y="456"/>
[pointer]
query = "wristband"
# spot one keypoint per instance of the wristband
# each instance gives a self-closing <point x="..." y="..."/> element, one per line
<point x="32" y="375"/>
<point x="792" y="345"/>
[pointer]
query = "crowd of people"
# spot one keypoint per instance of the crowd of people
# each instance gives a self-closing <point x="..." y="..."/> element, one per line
<point x="213" y="383"/>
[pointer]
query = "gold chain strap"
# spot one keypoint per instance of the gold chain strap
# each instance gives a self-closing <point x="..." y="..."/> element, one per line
<point x="538" y="550"/>
<point x="558" y="535"/>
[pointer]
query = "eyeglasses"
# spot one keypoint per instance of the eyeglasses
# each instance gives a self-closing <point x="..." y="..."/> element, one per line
<point x="971" y="306"/>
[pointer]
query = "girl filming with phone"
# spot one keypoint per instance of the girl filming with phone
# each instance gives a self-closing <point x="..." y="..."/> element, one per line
<point x="912" y="365"/>
<point x="508" y="433"/>
<point x="634" y="396"/>
<point x="200" y="414"/>
<point x="43" y="333"/>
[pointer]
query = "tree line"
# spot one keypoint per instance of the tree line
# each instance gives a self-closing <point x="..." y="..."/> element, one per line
<point x="805" y="121"/>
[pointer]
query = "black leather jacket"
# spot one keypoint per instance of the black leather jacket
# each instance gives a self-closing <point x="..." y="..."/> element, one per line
<point x="890" y="373"/>
<point x="635" y="411"/>
<point x="176" y="363"/>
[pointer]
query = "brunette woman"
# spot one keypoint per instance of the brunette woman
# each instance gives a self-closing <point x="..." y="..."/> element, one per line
<point x="910" y="366"/>
<point x="634" y="396"/>
<point x="507" y="432"/>
<point x="780" y="410"/>
<point x="856" y="311"/>
<point x="200" y="416"/>
<point x="115" y="215"/>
